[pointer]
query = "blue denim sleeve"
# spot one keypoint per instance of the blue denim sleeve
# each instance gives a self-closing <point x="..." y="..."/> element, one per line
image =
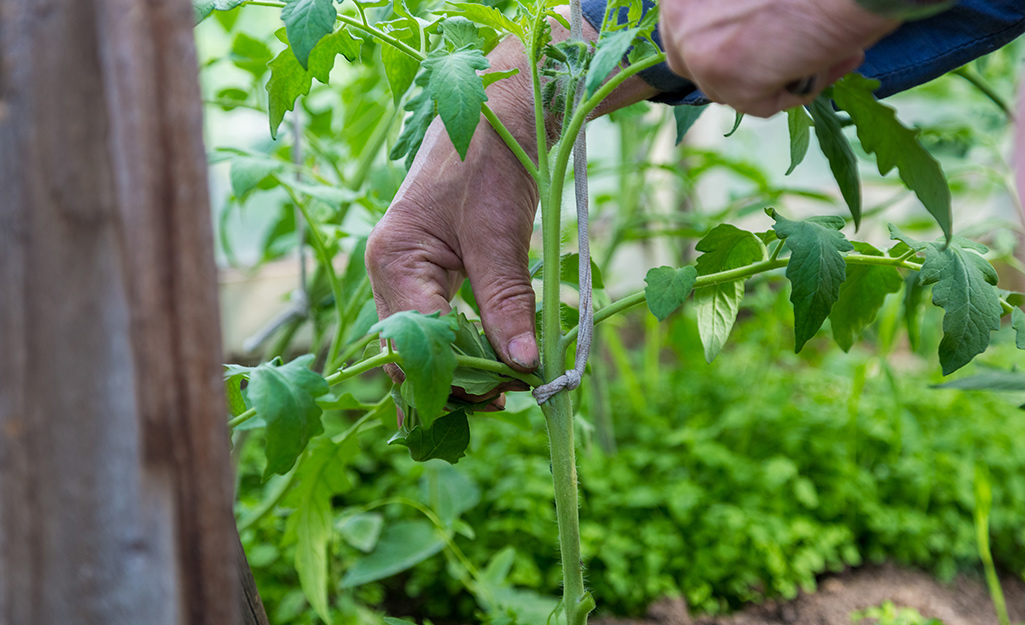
<point x="915" y="53"/>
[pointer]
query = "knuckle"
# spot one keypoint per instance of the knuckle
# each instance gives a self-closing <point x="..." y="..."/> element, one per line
<point x="507" y="297"/>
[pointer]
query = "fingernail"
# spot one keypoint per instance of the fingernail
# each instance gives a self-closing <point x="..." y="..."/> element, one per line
<point x="523" y="351"/>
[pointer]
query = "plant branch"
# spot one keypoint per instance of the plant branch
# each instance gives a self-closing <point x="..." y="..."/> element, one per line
<point x="980" y="83"/>
<point x="317" y="239"/>
<point x="511" y="142"/>
<point x="580" y="115"/>
<point x="389" y="357"/>
<point x="739" y="273"/>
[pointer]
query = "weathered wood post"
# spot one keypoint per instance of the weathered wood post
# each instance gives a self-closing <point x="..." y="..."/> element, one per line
<point x="115" y="497"/>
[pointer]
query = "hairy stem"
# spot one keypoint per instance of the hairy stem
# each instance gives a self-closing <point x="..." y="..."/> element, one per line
<point x="319" y="246"/>
<point x="389" y="357"/>
<point x="739" y="273"/>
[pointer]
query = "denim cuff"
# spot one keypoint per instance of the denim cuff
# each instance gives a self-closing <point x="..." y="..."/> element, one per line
<point x="676" y="89"/>
<point x="915" y="53"/>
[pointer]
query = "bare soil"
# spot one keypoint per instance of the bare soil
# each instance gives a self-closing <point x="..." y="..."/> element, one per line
<point x="964" y="602"/>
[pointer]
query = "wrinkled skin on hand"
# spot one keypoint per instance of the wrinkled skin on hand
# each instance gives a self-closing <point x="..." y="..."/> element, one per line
<point x="744" y="53"/>
<point x="453" y="219"/>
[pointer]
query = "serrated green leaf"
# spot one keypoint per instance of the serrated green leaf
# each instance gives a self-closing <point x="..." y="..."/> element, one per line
<point x="685" y="117"/>
<point x="861" y="296"/>
<point x="307" y="22"/>
<point x="446" y="438"/>
<point x="459" y="32"/>
<point x="816" y="269"/>
<point x="285" y="397"/>
<point x="323" y="56"/>
<point x="1018" y="323"/>
<point x="895" y="145"/>
<point x="667" y="289"/>
<point x="799" y="124"/>
<point x="362" y="530"/>
<point x="477" y="382"/>
<point x="322" y="474"/>
<point x="610" y="49"/>
<point x="470" y="342"/>
<point x="724" y="247"/>
<point x="250" y="55"/>
<point x="246" y="172"/>
<point x="838" y="152"/>
<point x="458" y="91"/>
<point x="289" y="80"/>
<point x="487" y="16"/>
<point x="425" y="344"/>
<point x="403" y="545"/>
<point x="963" y="285"/>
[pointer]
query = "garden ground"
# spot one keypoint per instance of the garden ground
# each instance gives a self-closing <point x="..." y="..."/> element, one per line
<point x="962" y="602"/>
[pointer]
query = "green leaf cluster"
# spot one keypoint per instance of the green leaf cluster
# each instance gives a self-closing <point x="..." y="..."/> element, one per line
<point x="285" y="398"/>
<point x="724" y="247"/>
<point x="964" y="286"/>
<point x="291" y="78"/>
<point x="816" y="269"/>
<point x="428" y="362"/>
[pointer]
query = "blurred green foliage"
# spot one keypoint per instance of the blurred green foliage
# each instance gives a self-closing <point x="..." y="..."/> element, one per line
<point x="729" y="484"/>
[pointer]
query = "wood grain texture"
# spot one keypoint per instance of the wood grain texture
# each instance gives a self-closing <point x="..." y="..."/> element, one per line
<point x="115" y="497"/>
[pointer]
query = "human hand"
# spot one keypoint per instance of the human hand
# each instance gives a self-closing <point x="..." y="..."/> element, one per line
<point x="453" y="219"/>
<point x="744" y="53"/>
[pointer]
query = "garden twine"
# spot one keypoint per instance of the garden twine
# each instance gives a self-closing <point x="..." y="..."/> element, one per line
<point x="571" y="379"/>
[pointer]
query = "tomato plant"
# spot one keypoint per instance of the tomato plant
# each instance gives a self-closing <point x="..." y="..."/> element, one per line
<point x="435" y="65"/>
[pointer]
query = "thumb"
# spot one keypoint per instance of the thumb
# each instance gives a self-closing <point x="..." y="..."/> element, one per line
<point x="501" y="285"/>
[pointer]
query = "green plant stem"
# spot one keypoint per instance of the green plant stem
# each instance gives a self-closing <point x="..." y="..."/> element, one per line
<point x="356" y="347"/>
<point x="268" y="505"/>
<point x="980" y="83"/>
<point x="565" y="146"/>
<point x="317" y="240"/>
<point x="558" y="410"/>
<point x="389" y="357"/>
<point x="369" y="364"/>
<point x="738" y="274"/>
<point x="511" y="142"/>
